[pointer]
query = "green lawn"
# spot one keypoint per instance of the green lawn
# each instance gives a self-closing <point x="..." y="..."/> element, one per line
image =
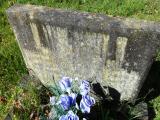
<point x="12" y="66"/>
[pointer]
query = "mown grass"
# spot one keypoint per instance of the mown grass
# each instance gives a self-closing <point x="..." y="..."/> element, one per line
<point x="12" y="66"/>
<point x="143" y="9"/>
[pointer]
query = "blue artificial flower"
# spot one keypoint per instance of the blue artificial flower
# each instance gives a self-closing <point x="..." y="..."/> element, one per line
<point x="66" y="101"/>
<point x="84" y="87"/>
<point x="73" y="96"/>
<point x="65" y="84"/>
<point x="69" y="116"/>
<point x="86" y="103"/>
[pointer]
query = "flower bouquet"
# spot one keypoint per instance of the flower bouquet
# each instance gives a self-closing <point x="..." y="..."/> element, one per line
<point x="71" y="100"/>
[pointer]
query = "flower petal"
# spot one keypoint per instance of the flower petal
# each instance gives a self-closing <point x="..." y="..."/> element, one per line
<point x="89" y="101"/>
<point x="84" y="87"/>
<point x="84" y="108"/>
<point x="65" y="84"/>
<point x="86" y="102"/>
<point x="52" y="100"/>
<point x="73" y="96"/>
<point x="69" y="116"/>
<point x="65" y="102"/>
<point x="63" y="117"/>
<point x="72" y="116"/>
<point x="84" y="92"/>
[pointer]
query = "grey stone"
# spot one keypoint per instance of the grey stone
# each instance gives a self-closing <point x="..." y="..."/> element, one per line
<point x="141" y="111"/>
<point x="115" y="52"/>
<point x="8" y="117"/>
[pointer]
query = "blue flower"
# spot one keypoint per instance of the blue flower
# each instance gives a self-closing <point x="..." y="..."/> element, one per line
<point x="65" y="84"/>
<point x="66" y="101"/>
<point x="69" y="116"/>
<point x="84" y="87"/>
<point x="86" y="103"/>
<point x="73" y="96"/>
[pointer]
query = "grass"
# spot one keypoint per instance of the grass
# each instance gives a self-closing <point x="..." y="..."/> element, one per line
<point x="12" y="66"/>
<point x="156" y="105"/>
<point x="142" y="9"/>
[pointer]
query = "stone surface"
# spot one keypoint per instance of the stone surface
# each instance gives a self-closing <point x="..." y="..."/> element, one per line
<point x="116" y="52"/>
<point x="141" y="111"/>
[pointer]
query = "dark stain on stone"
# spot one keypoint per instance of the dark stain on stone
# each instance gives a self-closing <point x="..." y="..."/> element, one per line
<point x="41" y="34"/>
<point x="53" y="40"/>
<point x="74" y="43"/>
<point x="70" y="36"/>
<point x="111" y="55"/>
<point x="21" y="24"/>
<point x="47" y="35"/>
<point x="139" y="51"/>
<point x="30" y="43"/>
<point x="101" y="48"/>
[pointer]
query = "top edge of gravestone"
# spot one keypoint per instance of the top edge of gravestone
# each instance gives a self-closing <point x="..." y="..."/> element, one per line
<point x="91" y="21"/>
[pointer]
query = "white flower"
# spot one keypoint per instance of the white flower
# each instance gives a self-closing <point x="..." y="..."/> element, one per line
<point x="52" y="100"/>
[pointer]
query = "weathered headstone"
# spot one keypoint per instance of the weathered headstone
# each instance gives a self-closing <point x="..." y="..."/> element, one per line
<point x="115" y="52"/>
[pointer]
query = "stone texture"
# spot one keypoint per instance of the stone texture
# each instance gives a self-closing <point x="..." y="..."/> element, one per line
<point x="116" y="52"/>
<point x="141" y="111"/>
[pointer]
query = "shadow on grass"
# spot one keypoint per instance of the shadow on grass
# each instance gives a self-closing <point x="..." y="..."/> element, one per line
<point x="109" y="107"/>
<point x="151" y="88"/>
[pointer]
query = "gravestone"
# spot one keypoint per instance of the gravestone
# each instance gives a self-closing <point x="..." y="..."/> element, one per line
<point x="115" y="52"/>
